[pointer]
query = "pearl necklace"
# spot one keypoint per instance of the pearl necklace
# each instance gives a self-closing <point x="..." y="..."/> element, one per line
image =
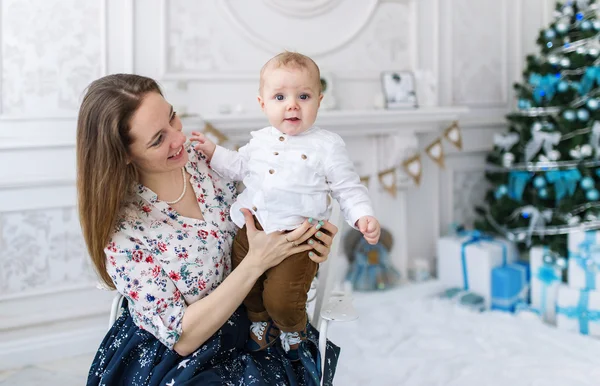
<point x="184" y="188"/>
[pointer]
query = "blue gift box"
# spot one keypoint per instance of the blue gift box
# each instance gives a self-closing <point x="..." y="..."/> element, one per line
<point x="509" y="286"/>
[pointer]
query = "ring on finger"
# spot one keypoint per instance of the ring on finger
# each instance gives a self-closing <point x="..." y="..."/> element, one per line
<point x="294" y="244"/>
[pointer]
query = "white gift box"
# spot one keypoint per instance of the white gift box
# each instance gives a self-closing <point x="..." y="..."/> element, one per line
<point x="546" y="277"/>
<point x="481" y="257"/>
<point x="584" y="259"/>
<point x="578" y="310"/>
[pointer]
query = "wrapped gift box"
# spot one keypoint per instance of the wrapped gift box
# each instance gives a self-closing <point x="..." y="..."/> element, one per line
<point x="546" y="276"/>
<point x="509" y="287"/>
<point x="578" y="310"/>
<point x="584" y="260"/>
<point x="467" y="260"/>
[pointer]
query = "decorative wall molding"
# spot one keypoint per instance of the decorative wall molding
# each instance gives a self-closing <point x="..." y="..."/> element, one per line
<point x="450" y="75"/>
<point x="304" y="9"/>
<point x="365" y="8"/>
<point x="33" y="51"/>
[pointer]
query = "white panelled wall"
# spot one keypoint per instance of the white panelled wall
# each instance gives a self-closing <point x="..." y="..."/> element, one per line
<point x="207" y="56"/>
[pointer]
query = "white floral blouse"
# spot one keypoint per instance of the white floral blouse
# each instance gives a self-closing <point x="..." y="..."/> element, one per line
<point x="162" y="261"/>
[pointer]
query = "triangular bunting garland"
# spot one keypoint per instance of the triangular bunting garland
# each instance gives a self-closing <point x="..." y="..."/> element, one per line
<point x="453" y="135"/>
<point x="436" y="152"/>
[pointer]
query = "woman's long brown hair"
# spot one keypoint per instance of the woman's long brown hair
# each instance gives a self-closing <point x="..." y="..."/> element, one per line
<point x="104" y="175"/>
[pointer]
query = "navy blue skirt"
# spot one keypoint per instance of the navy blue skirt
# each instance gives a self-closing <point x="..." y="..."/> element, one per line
<point x="131" y="356"/>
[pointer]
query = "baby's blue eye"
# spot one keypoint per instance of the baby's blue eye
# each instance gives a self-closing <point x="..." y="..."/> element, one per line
<point x="304" y="96"/>
<point x="279" y="97"/>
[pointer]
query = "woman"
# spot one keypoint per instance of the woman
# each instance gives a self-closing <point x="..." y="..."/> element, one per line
<point x="155" y="220"/>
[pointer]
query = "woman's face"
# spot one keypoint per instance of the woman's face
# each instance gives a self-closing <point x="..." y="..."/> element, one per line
<point x="157" y="145"/>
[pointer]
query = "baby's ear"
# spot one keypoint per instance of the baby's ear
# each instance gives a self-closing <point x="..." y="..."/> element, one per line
<point x="320" y="99"/>
<point x="261" y="102"/>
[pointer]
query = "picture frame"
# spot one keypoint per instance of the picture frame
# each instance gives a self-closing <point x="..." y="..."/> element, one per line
<point x="327" y="85"/>
<point x="399" y="89"/>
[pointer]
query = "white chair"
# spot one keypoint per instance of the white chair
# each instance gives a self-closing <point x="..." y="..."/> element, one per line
<point x="330" y="305"/>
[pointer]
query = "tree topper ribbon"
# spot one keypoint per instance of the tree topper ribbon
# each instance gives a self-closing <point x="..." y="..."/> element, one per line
<point x="506" y="141"/>
<point x="565" y="181"/>
<point x="592" y="74"/>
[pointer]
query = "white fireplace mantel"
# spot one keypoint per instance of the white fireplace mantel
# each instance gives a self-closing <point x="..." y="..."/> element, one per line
<point x="343" y="122"/>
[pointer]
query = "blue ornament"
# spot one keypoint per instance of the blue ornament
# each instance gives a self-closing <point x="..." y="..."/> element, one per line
<point x="592" y="104"/>
<point x="549" y="34"/>
<point x="539" y="182"/>
<point x="579" y="16"/>
<point x="586" y="25"/>
<point x="587" y="183"/>
<point x="592" y="195"/>
<point x="524" y="104"/>
<point x="501" y="191"/>
<point x="583" y="114"/>
<point x="549" y="44"/>
<point x="569" y="115"/>
<point x="543" y="193"/>
<point x="562" y="86"/>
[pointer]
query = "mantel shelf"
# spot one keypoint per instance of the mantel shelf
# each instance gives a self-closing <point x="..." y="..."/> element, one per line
<point x="343" y="122"/>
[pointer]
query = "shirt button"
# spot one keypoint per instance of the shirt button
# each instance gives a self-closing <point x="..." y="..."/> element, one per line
<point x="282" y="138"/>
<point x="276" y="153"/>
<point x="271" y="171"/>
<point x="304" y="156"/>
<point x="254" y="208"/>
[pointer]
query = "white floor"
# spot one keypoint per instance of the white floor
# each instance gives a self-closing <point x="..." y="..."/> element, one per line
<point x="407" y="337"/>
<point x="64" y="372"/>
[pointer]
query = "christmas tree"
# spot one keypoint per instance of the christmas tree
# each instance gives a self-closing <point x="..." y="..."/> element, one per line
<point x="544" y="172"/>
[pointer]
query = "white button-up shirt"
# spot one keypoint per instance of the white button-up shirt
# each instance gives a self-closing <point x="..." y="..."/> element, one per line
<point x="289" y="178"/>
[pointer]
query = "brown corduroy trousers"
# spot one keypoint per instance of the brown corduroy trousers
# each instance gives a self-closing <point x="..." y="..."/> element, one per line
<point x="281" y="292"/>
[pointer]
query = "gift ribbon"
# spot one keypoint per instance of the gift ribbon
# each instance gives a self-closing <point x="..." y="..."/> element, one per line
<point x="581" y="312"/>
<point x="585" y="261"/>
<point x="546" y="274"/>
<point x="543" y="86"/>
<point x="475" y="237"/>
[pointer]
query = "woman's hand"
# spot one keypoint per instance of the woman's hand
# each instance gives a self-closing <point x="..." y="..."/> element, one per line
<point x="268" y="250"/>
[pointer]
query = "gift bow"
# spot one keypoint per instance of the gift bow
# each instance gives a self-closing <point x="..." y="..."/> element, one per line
<point x="581" y="312"/>
<point x="540" y="139"/>
<point x="547" y="275"/>
<point x="543" y="86"/>
<point x="475" y="237"/>
<point x="592" y="74"/>
<point x="564" y="181"/>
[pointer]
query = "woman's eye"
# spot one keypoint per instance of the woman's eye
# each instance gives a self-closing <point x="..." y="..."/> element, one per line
<point x="173" y="116"/>
<point x="158" y="140"/>
<point x="304" y="96"/>
<point x="279" y="97"/>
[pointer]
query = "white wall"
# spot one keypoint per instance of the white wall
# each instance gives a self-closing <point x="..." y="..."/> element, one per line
<point x="207" y="55"/>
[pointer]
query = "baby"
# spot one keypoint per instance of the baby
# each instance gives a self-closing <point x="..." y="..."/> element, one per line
<point x="289" y="171"/>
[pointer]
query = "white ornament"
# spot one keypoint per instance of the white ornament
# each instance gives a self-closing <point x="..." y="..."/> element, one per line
<point x="593" y="51"/>
<point x="508" y="159"/>
<point x="586" y="150"/>
<point x="573" y="220"/>
<point x="552" y="59"/>
<point x="565" y="62"/>
<point x="581" y="50"/>
<point x="536" y="126"/>
<point x="554" y="155"/>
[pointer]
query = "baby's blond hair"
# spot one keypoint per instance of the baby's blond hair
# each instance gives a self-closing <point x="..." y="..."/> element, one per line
<point x="292" y="60"/>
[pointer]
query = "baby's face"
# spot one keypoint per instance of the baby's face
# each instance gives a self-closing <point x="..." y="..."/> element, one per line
<point x="290" y="98"/>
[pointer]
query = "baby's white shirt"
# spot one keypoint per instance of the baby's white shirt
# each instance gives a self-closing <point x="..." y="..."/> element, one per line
<point x="289" y="178"/>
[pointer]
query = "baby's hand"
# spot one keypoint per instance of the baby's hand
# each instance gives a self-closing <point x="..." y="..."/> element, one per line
<point x="205" y="145"/>
<point x="369" y="227"/>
